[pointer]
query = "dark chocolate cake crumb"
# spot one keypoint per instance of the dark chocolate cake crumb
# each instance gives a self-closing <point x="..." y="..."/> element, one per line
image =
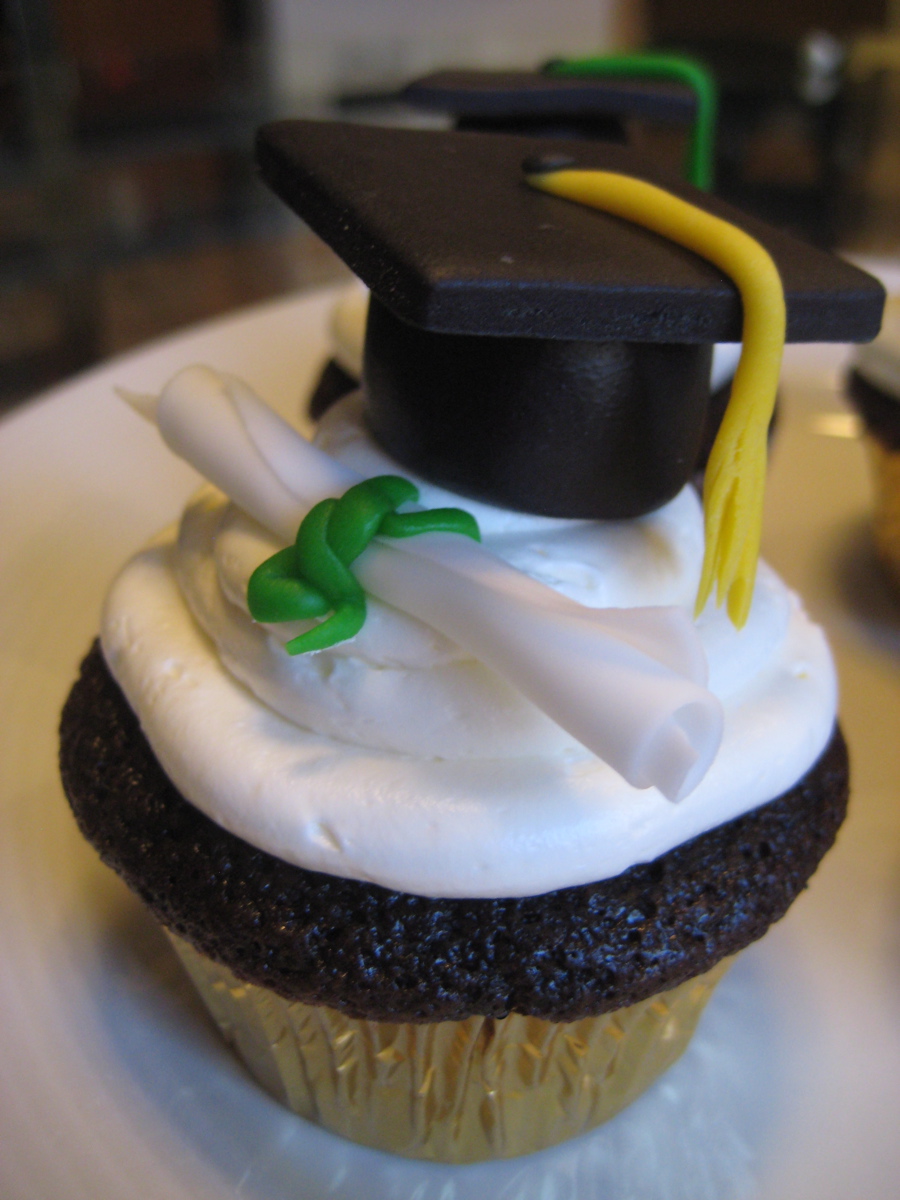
<point x="386" y="955"/>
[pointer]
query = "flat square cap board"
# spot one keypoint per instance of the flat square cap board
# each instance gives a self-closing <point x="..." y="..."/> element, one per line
<point x="509" y="94"/>
<point x="443" y="228"/>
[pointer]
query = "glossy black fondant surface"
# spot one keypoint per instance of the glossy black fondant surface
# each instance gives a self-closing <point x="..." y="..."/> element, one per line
<point x="566" y="429"/>
<point x="444" y="229"/>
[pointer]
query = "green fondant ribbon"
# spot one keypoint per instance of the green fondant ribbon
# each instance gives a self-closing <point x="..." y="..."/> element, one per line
<point x="312" y="578"/>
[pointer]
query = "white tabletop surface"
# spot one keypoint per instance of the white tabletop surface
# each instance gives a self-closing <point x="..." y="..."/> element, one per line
<point x="112" y="1082"/>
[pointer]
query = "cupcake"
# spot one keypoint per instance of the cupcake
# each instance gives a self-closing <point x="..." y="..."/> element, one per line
<point x="874" y="389"/>
<point x="458" y="884"/>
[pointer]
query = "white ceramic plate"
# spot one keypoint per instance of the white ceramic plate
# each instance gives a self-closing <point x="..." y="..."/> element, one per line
<point x="112" y="1082"/>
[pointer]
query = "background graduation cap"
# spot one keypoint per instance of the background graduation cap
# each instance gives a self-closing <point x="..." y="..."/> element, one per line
<point x="522" y="349"/>
<point x="539" y="104"/>
<point x="602" y="102"/>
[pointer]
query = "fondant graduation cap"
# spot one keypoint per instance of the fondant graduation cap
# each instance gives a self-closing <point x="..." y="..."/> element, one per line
<point x="536" y="103"/>
<point x="523" y="349"/>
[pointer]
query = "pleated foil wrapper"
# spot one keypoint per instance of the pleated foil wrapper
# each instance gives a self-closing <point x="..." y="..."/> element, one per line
<point x="450" y="1091"/>
<point x="885" y="465"/>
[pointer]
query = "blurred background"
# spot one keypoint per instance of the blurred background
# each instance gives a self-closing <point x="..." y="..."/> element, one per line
<point x="129" y="205"/>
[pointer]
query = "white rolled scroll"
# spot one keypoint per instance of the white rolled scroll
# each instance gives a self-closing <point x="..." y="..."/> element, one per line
<point x="629" y="684"/>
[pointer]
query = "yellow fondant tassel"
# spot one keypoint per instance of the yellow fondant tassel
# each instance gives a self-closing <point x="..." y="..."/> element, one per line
<point x="735" y="474"/>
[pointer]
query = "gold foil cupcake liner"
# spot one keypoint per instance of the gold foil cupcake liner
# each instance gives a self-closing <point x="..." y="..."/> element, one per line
<point x="886" y="520"/>
<point x="450" y="1091"/>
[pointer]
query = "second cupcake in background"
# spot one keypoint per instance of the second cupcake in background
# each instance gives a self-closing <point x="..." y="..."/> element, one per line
<point x="874" y="390"/>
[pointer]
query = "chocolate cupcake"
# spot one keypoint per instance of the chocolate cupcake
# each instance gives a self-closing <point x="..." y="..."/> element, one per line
<point x="597" y="988"/>
<point x="459" y="883"/>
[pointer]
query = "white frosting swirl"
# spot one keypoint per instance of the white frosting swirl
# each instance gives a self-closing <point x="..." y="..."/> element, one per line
<point x="398" y="758"/>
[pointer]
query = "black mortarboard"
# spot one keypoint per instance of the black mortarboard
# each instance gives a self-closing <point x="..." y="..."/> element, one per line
<point x="523" y="349"/>
<point x="531" y="102"/>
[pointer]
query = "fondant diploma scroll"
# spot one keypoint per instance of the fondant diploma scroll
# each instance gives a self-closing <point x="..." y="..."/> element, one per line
<point x="629" y="684"/>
